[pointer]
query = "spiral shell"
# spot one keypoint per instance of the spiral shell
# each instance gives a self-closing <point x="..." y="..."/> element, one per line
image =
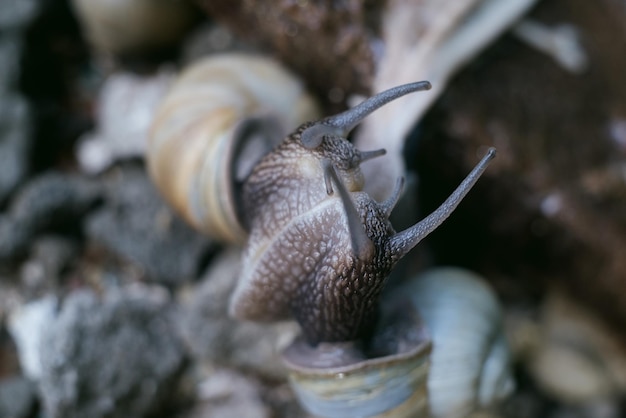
<point x="466" y="368"/>
<point x="470" y="359"/>
<point x="388" y="378"/>
<point x="219" y="118"/>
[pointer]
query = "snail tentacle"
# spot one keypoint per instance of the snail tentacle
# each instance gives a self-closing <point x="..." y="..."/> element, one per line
<point x="390" y="203"/>
<point x="368" y="155"/>
<point x="350" y="118"/>
<point x="362" y="245"/>
<point x="313" y="136"/>
<point x="402" y="242"/>
<point x="343" y="123"/>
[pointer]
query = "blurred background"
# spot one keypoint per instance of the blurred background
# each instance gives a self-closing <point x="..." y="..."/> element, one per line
<point x="112" y="305"/>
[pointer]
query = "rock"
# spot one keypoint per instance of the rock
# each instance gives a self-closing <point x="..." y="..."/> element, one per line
<point x="577" y="359"/>
<point x="49" y="256"/>
<point x="213" y="336"/>
<point x="9" y="363"/>
<point x="48" y="201"/>
<point x="303" y="36"/>
<point x="126" y="106"/>
<point x="26" y="325"/>
<point x="115" y="356"/>
<point x="226" y="393"/>
<point x="15" y="137"/>
<point x="10" y="48"/>
<point x="15" y="14"/>
<point x="135" y="224"/>
<point x="17" y="397"/>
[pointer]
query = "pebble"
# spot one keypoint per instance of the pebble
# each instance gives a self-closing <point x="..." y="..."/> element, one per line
<point x="136" y="224"/>
<point x="215" y="337"/>
<point x="126" y="107"/>
<point x="15" y="136"/>
<point x="113" y="356"/>
<point x="17" y="397"/>
<point x="49" y="201"/>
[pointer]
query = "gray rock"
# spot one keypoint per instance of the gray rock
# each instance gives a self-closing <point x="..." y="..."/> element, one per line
<point x="17" y="397"/>
<point x="226" y="393"/>
<point x="215" y="337"/>
<point x="126" y="107"/>
<point x="135" y="223"/>
<point x="45" y="202"/>
<point x="49" y="256"/>
<point x="26" y="325"/>
<point x="15" y="14"/>
<point x="15" y="138"/>
<point x="10" y="49"/>
<point x="118" y="356"/>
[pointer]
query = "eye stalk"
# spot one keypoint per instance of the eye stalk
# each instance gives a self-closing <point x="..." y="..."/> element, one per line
<point x="341" y="124"/>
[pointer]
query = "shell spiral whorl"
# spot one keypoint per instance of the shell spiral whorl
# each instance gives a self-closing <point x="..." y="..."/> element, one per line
<point x="470" y="361"/>
<point x="222" y="111"/>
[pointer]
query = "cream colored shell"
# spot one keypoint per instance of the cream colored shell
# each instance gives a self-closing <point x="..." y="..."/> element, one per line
<point x="202" y="126"/>
<point x="127" y="26"/>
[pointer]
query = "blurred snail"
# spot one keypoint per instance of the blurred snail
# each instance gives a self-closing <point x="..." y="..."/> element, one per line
<point x="318" y="248"/>
<point x="219" y="117"/>
<point x="133" y="26"/>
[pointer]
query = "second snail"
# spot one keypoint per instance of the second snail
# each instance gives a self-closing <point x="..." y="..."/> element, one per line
<point x="319" y="250"/>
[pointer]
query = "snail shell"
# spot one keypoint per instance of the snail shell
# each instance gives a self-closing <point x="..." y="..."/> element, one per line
<point x="221" y="115"/>
<point x="470" y="362"/>
<point x="467" y="367"/>
<point x="129" y="26"/>
<point x="386" y="377"/>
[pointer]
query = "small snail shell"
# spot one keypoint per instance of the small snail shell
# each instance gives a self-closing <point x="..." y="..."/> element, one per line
<point x="219" y="110"/>
<point x="386" y="378"/>
<point x="130" y="26"/>
<point x="470" y="362"/>
<point x="466" y="368"/>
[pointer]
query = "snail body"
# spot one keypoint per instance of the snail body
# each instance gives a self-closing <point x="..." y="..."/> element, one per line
<point x="320" y="249"/>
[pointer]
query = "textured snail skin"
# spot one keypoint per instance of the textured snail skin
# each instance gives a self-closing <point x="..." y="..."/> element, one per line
<point x="319" y="256"/>
<point x="291" y="263"/>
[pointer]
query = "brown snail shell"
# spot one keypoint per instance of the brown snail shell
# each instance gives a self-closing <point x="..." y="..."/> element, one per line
<point x="220" y="116"/>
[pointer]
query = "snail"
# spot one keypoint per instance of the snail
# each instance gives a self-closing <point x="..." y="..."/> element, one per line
<point x="444" y="356"/>
<point x="317" y="248"/>
<point x="320" y="249"/>
<point x="219" y="117"/>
